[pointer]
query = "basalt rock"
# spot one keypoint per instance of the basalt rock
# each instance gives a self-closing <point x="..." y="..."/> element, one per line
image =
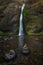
<point x="25" y="50"/>
<point x="10" y="56"/>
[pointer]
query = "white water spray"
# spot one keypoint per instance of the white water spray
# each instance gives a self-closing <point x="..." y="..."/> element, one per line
<point x="21" y="24"/>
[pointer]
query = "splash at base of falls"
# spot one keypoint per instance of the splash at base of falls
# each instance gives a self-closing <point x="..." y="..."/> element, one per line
<point x="21" y="42"/>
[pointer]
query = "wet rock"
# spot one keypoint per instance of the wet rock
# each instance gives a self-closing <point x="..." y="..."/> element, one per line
<point x="36" y="39"/>
<point x="25" y="49"/>
<point x="11" y="37"/>
<point x="11" y="55"/>
<point x="5" y="38"/>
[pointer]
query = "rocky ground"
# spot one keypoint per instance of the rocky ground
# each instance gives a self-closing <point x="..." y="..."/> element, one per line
<point x="35" y="48"/>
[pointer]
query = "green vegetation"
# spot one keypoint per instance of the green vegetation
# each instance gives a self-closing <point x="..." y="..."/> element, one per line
<point x="10" y="33"/>
<point x="30" y="33"/>
<point x="3" y="6"/>
<point x="25" y="12"/>
<point x="1" y="33"/>
<point x="41" y="33"/>
<point x="33" y="17"/>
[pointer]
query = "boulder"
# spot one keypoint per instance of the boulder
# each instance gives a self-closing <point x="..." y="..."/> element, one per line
<point x="9" y="56"/>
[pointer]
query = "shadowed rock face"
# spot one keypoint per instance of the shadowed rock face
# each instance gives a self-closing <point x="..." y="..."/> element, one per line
<point x="10" y="14"/>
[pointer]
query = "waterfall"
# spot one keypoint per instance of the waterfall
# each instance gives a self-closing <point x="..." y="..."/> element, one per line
<point x="21" y="24"/>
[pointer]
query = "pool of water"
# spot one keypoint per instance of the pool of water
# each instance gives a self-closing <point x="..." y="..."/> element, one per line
<point x="34" y="43"/>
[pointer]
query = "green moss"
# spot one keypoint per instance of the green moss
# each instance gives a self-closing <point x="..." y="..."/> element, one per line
<point x="10" y="33"/>
<point x="3" y="6"/>
<point x="30" y="33"/>
<point x="25" y="12"/>
<point x="33" y="17"/>
<point x="1" y="33"/>
<point x="41" y="33"/>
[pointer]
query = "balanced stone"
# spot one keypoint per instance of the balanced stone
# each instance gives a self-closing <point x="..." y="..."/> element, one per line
<point x="25" y="49"/>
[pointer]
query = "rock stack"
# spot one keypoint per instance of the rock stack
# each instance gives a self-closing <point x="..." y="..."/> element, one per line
<point x="25" y="49"/>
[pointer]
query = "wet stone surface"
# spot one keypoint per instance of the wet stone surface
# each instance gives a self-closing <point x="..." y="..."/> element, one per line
<point x="34" y="44"/>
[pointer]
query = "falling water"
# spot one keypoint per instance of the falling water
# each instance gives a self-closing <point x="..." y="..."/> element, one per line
<point x="21" y="24"/>
<point x="21" y="41"/>
<point x="21" y="33"/>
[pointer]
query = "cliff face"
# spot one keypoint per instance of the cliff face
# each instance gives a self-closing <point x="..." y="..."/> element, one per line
<point x="10" y="12"/>
<point x="9" y="16"/>
<point x="33" y="18"/>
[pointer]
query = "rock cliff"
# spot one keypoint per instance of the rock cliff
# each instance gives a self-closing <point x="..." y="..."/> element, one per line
<point x="10" y="13"/>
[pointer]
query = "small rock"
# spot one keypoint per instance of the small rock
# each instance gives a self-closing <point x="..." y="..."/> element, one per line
<point x="5" y="38"/>
<point x="36" y="39"/>
<point x="11" y="37"/>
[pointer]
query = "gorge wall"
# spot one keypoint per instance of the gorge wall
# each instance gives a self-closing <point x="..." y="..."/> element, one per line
<point x="10" y="13"/>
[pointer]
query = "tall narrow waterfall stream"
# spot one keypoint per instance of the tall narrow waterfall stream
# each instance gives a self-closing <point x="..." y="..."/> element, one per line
<point x="21" y="24"/>
<point x="21" y="32"/>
